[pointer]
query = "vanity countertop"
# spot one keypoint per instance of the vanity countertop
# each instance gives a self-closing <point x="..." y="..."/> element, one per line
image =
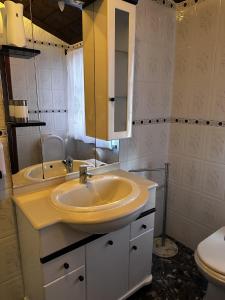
<point x="36" y="206"/>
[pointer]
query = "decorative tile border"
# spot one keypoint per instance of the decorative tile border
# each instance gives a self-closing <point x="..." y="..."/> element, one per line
<point x="188" y="121"/>
<point x="198" y="122"/>
<point x="55" y="45"/>
<point x="178" y="6"/>
<point x="186" y="3"/>
<point x="75" y="46"/>
<point x="167" y="3"/>
<point x="3" y="132"/>
<point x="47" y="111"/>
<point x="151" y="121"/>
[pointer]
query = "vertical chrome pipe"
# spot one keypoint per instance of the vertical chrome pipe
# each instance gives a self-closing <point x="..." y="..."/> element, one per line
<point x="166" y="181"/>
<point x="165" y="198"/>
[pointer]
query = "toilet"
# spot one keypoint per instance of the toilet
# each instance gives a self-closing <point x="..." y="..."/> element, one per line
<point x="53" y="147"/>
<point x="210" y="259"/>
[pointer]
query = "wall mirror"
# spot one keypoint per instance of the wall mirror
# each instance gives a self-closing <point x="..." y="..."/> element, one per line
<point x="48" y="73"/>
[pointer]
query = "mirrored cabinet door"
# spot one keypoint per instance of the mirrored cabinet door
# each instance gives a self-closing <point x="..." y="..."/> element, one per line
<point x="121" y="31"/>
<point x="114" y="40"/>
<point x="120" y="107"/>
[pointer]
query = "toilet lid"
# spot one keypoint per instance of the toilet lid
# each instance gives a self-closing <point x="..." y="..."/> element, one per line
<point x="53" y="148"/>
<point x="211" y="251"/>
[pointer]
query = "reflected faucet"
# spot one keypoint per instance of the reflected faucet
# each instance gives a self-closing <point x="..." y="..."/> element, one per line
<point x="84" y="174"/>
<point x="68" y="163"/>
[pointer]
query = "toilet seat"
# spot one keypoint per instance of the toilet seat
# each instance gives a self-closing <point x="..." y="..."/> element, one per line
<point x="210" y="275"/>
<point x="210" y="256"/>
<point x="211" y="251"/>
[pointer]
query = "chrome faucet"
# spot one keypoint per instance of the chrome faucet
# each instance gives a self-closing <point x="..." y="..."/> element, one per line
<point x="84" y="174"/>
<point x="68" y="163"/>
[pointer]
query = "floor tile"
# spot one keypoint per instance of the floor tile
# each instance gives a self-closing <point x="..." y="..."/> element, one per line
<point x="176" y="278"/>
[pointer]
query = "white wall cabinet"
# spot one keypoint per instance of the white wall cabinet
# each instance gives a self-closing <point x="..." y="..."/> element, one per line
<point x="109" y="258"/>
<point x="109" y="43"/>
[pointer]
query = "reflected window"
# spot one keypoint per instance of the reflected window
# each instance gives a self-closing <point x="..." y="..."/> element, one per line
<point x="76" y="101"/>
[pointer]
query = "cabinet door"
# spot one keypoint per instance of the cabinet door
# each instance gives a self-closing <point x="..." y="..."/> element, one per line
<point x="107" y="261"/>
<point x="121" y="42"/>
<point x="68" y="287"/>
<point x="111" y="96"/>
<point x="140" y="258"/>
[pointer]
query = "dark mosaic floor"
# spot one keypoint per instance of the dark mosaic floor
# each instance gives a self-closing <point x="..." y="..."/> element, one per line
<point x="176" y="278"/>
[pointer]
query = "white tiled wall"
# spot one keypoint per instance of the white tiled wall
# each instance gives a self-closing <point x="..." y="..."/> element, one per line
<point x="154" y="56"/>
<point x="24" y="87"/>
<point x="11" y="287"/>
<point x="197" y="153"/>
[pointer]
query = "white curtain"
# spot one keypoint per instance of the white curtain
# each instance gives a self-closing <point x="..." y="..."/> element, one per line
<point x="76" y="104"/>
<point x="75" y="95"/>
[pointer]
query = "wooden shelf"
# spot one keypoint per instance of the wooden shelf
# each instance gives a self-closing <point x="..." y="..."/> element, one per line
<point x="31" y="123"/>
<point x="18" y="52"/>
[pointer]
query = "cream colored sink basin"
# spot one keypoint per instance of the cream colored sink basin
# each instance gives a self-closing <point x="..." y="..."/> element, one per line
<point x="106" y="203"/>
<point x="104" y="192"/>
<point x="51" y="169"/>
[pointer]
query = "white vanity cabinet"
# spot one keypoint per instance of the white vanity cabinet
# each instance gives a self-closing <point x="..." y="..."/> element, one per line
<point x="109" y="44"/>
<point x="60" y="263"/>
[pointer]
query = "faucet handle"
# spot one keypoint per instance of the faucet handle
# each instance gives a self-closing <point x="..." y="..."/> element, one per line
<point x="89" y="175"/>
<point x="83" y="169"/>
<point x="69" y="160"/>
<point x="84" y="174"/>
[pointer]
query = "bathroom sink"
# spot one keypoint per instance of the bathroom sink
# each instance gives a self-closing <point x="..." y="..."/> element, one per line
<point x="105" y="203"/>
<point x="51" y="169"/>
<point x="104" y="192"/>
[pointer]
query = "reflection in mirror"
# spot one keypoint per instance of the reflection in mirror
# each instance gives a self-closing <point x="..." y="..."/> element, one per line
<point x="52" y="82"/>
<point x="19" y="83"/>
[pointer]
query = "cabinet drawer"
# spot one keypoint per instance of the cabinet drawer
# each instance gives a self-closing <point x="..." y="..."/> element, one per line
<point x="142" y="225"/>
<point x="68" y="287"/>
<point x="63" y="264"/>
